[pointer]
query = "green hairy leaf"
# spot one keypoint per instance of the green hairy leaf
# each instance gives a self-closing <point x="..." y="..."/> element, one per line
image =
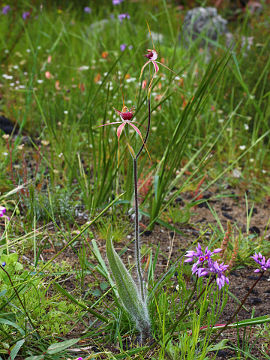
<point x="128" y="291"/>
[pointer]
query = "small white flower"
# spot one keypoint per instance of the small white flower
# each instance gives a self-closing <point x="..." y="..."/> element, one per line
<point x="246" y="126"/>
<point x="264" y="171"/>
<point x="28" y="50"/>
<point x="40" y="81"/>
<point x="221" y="121"/>
<point x="8" y="77"/>
<point x="236" y="173"/>
<point x="83" y="68"/>
<point x="15" y="67"/>
<point x="251" y="160"/>
<point x="242" y="147"/>
<point x="65" y="112"/>
<point x="131" y="79"/>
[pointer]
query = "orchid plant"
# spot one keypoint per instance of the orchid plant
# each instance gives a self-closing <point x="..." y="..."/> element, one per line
<point x="132" y="292"/>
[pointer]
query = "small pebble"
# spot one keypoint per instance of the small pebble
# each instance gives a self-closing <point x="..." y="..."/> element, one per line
<point x="255" y="301"/>
<point x="254" y="230"/>
<point x="227" y="216"/>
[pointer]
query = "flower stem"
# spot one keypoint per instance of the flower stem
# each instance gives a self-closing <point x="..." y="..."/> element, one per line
<point x="186" y="310"/>
<point x="237" y="310"/>
<point x="136" y="206"/>
<point x="147" y="131"/>
<point x="137" y="232"/>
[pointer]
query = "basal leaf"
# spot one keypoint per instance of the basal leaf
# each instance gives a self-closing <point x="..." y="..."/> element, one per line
<point x="128" y="291"/>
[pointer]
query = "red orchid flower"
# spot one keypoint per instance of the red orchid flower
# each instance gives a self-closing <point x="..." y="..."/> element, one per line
<point x="152" y="56"/>
<point x="126" y="116"/>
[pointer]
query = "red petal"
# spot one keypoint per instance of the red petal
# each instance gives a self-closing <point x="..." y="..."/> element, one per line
<point x="155" y="66"/>
<point x="120" y="129"/>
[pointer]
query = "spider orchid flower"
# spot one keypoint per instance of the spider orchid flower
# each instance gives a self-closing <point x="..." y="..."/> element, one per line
<point x="152" y="56"/>
<point x="126" y="116"/>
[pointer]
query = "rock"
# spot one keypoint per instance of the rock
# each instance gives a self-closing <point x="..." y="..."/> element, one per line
<point x="8" y="126"/>
<point x="227" y="216"/>
<point x="255" y="7"/>
<point x="203" y="22"/>
<point x="99" y="25"/>
<point x="156" y="37"/>
<point x="254" y="230"/>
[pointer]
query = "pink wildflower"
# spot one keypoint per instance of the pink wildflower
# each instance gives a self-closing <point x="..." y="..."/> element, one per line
<point x="2" y="211"/>
<point x="48" y="75"/>
<point x="260" y="260"/>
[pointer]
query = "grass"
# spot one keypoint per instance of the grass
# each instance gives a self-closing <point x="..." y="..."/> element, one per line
<point x="69" y="186"/>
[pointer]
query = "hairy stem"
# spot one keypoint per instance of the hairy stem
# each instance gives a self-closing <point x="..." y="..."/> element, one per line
<point x="137" y="232"/>
<point x="136" y="206"/>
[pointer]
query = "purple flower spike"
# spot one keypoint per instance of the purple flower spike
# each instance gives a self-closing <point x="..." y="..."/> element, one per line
<point x="121" y="17"/>
<point x="123" y="47"/>
<point x="199" y="254"/>
<point x="219" y="269"/>
<point x="260" y="259"/>
<point x="87" y="9"/>
<point x="2" y="211"/>
<point x="204" y="264"/>
<point x="3" y="264"/>
<point x="26" y="15"/>
<point x="6" y="9"/>
<point x="117" y="2"/>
